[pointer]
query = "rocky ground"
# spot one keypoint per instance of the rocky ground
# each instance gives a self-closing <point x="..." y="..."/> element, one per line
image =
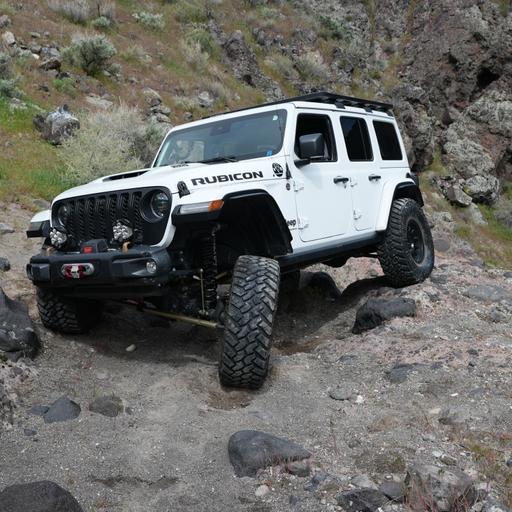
<point x="434" y="389"/>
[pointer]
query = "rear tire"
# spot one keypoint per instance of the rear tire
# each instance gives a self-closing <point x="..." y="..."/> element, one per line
<point x="249" y="319"/>
<point x="406" y="254"/>
<point x="67" y="315"/>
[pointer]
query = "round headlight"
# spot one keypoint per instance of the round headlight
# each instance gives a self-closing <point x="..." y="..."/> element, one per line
<point x="159" y="204"/>
<point x="62" y="214"/>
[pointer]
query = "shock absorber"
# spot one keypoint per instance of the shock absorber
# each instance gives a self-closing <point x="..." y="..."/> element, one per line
<point x="209" y="272"/>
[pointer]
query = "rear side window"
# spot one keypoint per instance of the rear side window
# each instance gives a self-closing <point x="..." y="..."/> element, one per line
<point x="389" y="146"/>
<point x="357" y="140"/>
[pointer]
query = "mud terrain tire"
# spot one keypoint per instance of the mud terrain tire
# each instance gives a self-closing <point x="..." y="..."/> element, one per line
<point x="247" y="339"/>
<point x="67" y="315"/>
<point x="406" y="254"/>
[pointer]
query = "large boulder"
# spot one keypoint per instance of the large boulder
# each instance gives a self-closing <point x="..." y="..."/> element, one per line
<point x="62" y="409"/>
<point x="375" y="311"/>
<point x="251" y="450"/>
<point x="44" y="496"/>
<point x="362" y="500"/>
<point x="58" y="125"/>
<point x="17" y="335"/>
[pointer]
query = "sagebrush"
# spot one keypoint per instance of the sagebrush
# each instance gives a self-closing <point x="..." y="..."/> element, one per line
<point x="150" y="20"/>
<point x="80" y="11"/>
<point x="108" y="142"/>
<point x="91" y="53"/>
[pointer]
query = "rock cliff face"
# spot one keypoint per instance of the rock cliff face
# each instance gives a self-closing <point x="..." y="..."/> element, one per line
<point x="446" y="66"/>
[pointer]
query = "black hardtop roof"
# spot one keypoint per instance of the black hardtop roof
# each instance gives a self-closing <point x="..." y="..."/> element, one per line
<point x="327" y="98"/>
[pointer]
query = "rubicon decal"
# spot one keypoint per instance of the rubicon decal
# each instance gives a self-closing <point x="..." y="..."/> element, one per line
<point x="223" y="178"/>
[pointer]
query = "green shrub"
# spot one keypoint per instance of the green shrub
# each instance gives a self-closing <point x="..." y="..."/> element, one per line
<point x="311" y="67"/>
<point x="282" y="66"/>
<point x="204" y="39"/>
<point x="150" y="20"/>
<point x="136" y="54"/>
<point x="76" y="11"/>
<point x="65" y="86"/>
<point x="188" y="11"/>
<point x="8" y="88"/>
<point x="108" y="142"/>
<point x="102" y="23"/>
<point x="5" y="66"/>
<point x="194" y="55"/>
<point x="334" y="29"/>
<point x="92" y="54"/>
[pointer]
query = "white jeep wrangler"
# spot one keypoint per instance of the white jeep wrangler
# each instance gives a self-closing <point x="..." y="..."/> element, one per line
<point x="235" y="199"/>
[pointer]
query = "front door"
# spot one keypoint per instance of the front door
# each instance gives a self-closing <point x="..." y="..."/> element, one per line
<point x="322" y="191"/>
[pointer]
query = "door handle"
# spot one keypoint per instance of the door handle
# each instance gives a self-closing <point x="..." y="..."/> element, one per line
<point x="374" y="177"/>
<point x="340" y="179"/>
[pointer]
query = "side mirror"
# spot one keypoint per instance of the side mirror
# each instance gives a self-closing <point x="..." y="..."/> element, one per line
<point x="311" y="146"/>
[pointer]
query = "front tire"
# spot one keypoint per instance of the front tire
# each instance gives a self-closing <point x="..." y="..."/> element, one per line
<point x="249" y="319"/>
<point x="406" y="254"/>
<point x="67" y="315"/>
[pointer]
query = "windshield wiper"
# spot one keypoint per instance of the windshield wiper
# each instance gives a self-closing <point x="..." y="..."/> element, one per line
<point x="218" y="159"/>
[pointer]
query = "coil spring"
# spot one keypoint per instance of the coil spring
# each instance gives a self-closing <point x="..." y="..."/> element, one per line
<point x="209" y="262"/>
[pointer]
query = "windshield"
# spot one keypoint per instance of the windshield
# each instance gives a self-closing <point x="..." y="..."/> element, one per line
<point x="229" y="140"/>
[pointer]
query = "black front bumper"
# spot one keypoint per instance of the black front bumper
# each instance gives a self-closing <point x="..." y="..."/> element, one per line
<point x="117" y="274"/>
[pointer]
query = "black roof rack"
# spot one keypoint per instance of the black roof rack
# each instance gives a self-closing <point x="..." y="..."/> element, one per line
<point x="325" y="97"/>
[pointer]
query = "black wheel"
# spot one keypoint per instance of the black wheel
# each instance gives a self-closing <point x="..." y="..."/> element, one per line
<point x="67" y="315"/>
<point x="406" y="254"/>
<point x="248" y="322"/>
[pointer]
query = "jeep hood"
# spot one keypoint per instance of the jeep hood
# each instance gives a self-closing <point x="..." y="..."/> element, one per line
<point x="169" y="177"/>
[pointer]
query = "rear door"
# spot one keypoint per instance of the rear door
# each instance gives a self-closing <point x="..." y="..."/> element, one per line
<point x="322" y="191"/>
<point x="364" y="170"/>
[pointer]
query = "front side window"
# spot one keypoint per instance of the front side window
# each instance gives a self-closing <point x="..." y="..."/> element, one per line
<point x="238" y="138"/>
<point x="357" y="139"/>
<point x="389" y="146"/>
<point x="308" y="124"/>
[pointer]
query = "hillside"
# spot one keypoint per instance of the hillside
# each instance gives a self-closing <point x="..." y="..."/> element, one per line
<point x="410" y="414"/>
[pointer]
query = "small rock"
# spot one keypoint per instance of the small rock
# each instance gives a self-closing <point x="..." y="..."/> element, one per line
<point x="377" y="310"/>
<point x="51" y="64"/>
<point x="441" y="244"/>
<point x="322" y="482"/>
<point x="361" y="500"/>
<point x="340" y="394"/>
<point x="488" y="293"/>
<point x="5" y="229"/>
<point x="5" y="21"/>
<point x="400" y="372"/>
<point x="35" y="35"/>
<point x="29" y="432"/>
<point x="131" y="348"/>
<point x="251" y="450"/>
<point x="5" y="265"/>
<point x="363" y="481"/>
<point x="98" y="102"/>
<point x="8" y="38"/>
<point x="62" y="409"/>
<point x="152" y="97"/>
<point x="457" y="196"/>
<point x="205" y="99"/>
<point x="448" y="460"/>
<point x="42" y="496"/>
<point x="449" y="489"/>
<point x="393" y="490"/>
<point x="262" y="490"/>
<point x="43" y="204"/>
<point x="509" y="462"/>
<point x="110" y="406"/>
<point x="299" y="468"/>
<point x="56" y="126"/>
<point x="452" y="417"/>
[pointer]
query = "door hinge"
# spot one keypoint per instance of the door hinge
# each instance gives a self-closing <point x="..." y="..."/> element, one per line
<point x="298" y="185"/>
<point x="353" y="182"/>
<point x="303" y="222"/>
<point x="357" y="214"/>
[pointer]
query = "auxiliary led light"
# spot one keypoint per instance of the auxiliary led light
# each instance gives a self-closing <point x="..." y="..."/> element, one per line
<point x="57" y="238"/>
<point x="151" y="266"/>
<point x="121" y="231"/>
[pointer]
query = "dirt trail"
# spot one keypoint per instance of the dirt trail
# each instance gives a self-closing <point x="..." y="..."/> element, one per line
<point x="168" y="451"/>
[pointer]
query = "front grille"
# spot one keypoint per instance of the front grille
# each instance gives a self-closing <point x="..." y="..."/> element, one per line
<point x="92" y="217"/>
